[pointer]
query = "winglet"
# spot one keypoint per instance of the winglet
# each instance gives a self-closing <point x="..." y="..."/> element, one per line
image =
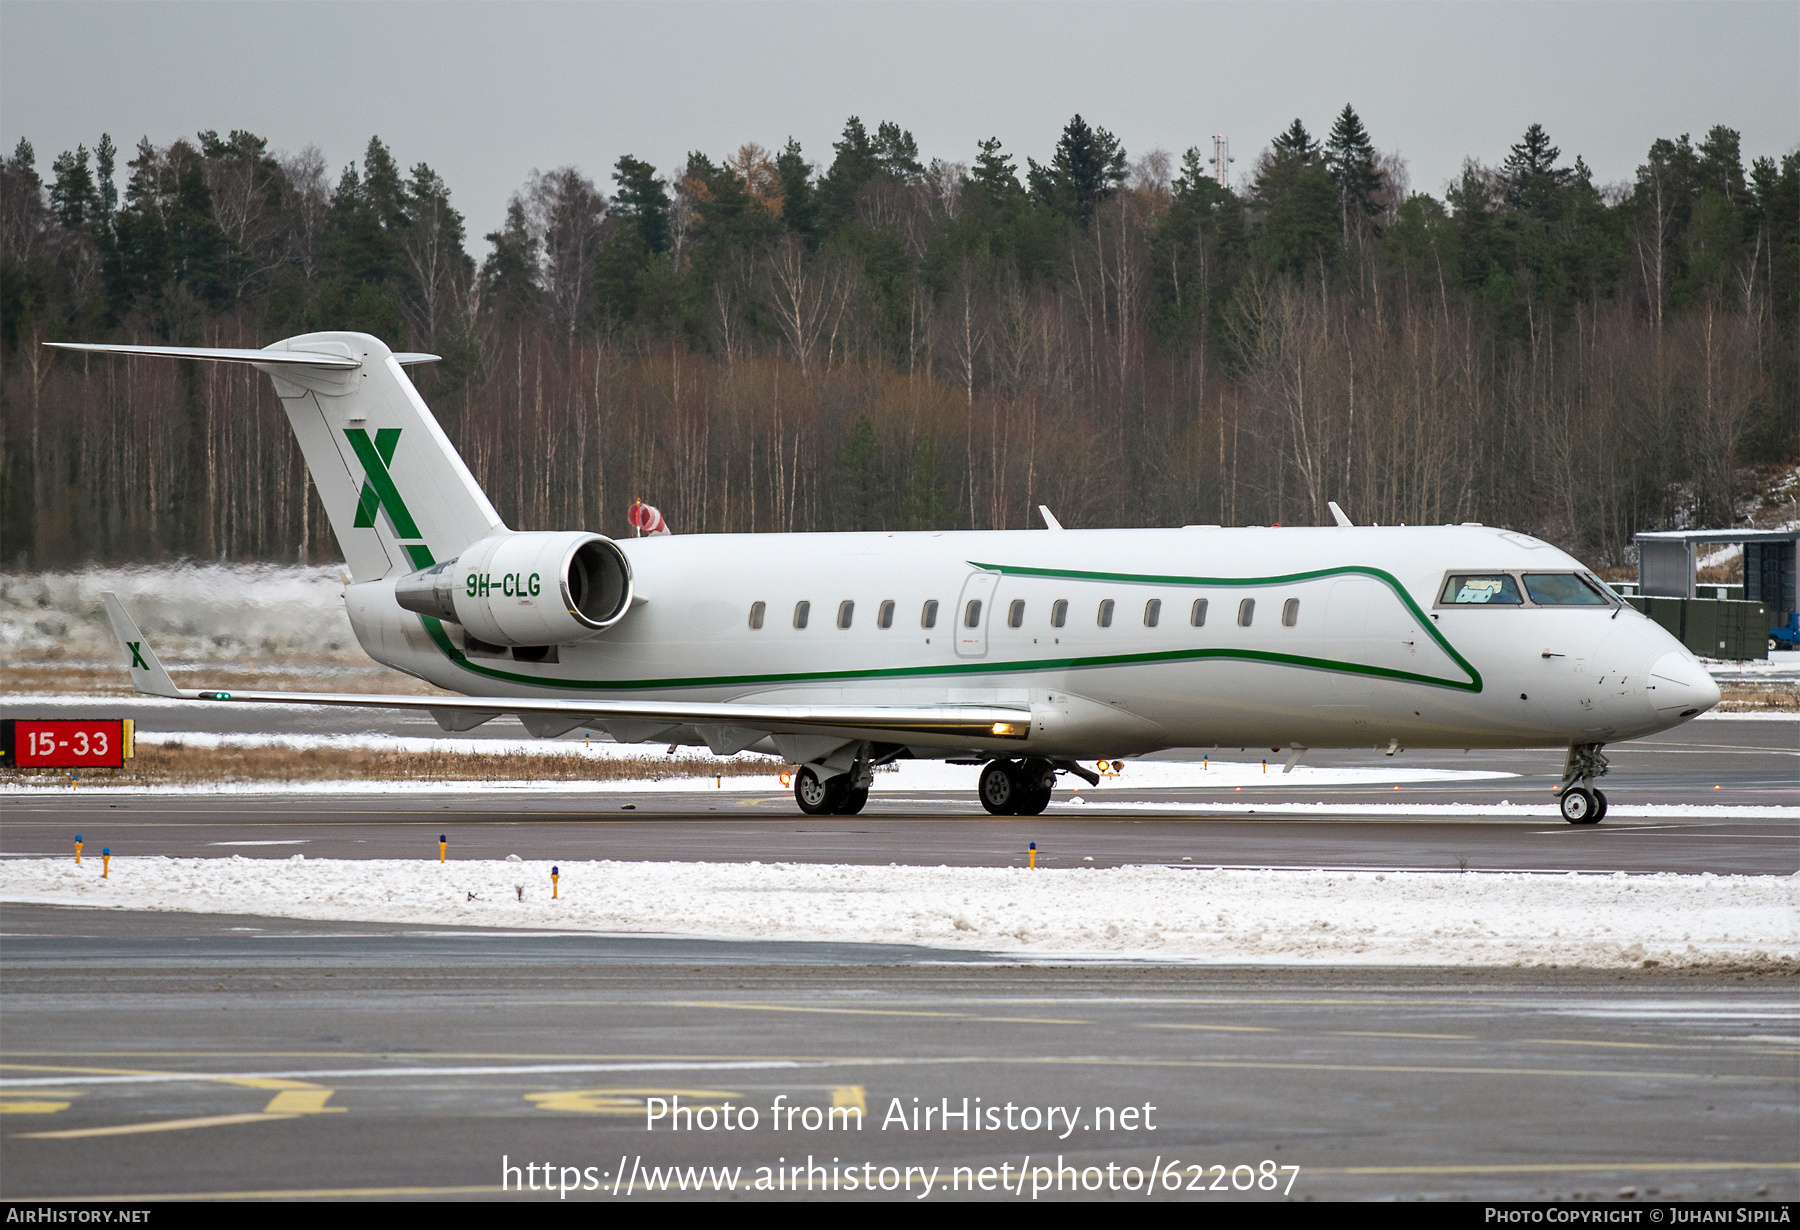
<point x="1337" y="515"/>
<point x="147" y="674"/>
<point x="1050" y="521"/>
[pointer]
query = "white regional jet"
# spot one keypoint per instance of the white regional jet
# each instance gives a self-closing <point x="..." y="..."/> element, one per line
<point x="1022" y="651"/>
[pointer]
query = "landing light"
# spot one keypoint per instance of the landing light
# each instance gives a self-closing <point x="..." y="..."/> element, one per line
<point x="1005" y="728"/>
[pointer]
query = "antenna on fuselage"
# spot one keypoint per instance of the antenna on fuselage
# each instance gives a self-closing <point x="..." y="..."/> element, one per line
<point x="1338" y="515"/>
<point x="1050" y="521"/>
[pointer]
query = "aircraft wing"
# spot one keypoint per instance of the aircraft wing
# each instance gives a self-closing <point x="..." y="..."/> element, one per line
<point x="723" y="725"/>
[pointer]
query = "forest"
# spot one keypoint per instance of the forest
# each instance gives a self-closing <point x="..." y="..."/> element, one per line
<point x="867" y="340"/>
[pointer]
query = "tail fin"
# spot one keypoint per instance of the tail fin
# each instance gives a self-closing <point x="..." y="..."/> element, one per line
<point x="398" y="495"/>
<point x="147" y="673"/>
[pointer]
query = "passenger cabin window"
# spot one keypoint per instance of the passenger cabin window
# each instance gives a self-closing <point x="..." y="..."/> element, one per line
<point x="884" y="618"/>
<point x="1015" y="614"/>
<point x="1059" y="613"/>
<point x="1246" y="612"/>
<point x="801" y="611"/>
<point x="928" y="616"/>
<point x="1290" y="612"/>
<point x="1104" y="618"/>
<point x="846" y="611"/>
<point x="757" y="610"/>
<point x="1152" y="612"/>
<point x="1563" y="589"/>
<point x="1197" y="615"/>
<point x="972" y="614"/>
<point x="1482" y="589"/>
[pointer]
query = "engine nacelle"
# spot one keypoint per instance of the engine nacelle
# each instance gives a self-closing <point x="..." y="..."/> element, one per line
<point x="527" y="588"/>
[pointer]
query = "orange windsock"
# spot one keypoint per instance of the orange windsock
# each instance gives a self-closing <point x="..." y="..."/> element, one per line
<point x="645" y="519"/>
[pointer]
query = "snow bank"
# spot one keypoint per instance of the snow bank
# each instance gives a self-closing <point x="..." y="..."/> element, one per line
<point x="1158" y="913"/>
<point x="191" y="613"/>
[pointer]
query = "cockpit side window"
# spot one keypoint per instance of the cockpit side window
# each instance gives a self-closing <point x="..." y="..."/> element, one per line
<point x="1481" y="589"/>
<point x="1563" y="589"/>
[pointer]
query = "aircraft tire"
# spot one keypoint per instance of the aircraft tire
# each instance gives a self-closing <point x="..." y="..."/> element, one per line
<point x="1600" y="810"/>
<point x="1580" y="806"/>
<point x="853" y="802"/>
<point x="999" y="788"/>
<point x="819" y="798"/>
<point x="1032" y="802"/>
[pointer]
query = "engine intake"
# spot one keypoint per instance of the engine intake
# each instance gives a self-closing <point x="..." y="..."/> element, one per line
<point x="527" y="588"/>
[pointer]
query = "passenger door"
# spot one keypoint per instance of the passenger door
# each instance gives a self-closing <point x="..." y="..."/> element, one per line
<point x="972" y="620"/>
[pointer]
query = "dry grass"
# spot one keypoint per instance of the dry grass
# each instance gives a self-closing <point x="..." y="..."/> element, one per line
<point x="174" y="764"/>
<point x="1751" y="697"/>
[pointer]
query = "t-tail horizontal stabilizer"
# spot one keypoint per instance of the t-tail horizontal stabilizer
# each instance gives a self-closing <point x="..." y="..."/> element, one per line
<point x="147" y="674"/>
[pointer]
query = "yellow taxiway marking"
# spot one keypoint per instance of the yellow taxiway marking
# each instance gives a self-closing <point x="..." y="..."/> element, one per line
<point x="161" y="1125"/>
<point x="13" y="1104"/>
<point x="1223" y="1029"/>
<point x="1369" y="1033"/>
<point x="67" y="1069"/>
<point x="293" y="1097"/>
<point x="628" y="1102"/>
<point x="849" y="1096"/>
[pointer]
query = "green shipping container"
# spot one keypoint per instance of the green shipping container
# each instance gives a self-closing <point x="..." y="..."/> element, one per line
<point x="1711" y="628"/>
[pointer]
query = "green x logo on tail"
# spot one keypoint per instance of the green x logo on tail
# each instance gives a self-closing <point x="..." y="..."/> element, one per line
<point x="137" y="659"/>
<point x="378" y="486"/>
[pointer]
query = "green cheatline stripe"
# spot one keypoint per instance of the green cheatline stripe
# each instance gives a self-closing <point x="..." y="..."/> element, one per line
<point x="442" y="639"/>
<point x="1386" y="578"/>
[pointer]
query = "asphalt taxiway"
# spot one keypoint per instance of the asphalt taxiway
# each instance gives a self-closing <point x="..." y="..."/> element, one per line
<point x="198" y="1056"/>
<point x="202" y="1056"/>
<point x="1697" y="768"/>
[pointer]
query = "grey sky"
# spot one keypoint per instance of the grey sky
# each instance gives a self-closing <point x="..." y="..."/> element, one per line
<point x="485" y="92"/>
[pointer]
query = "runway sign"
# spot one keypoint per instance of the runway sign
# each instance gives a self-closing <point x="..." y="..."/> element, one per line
<point x="26" y="743"/>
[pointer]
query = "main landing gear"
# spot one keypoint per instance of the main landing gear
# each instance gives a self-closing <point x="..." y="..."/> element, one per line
<point x="832" y="796"/>
<point x="1580" y="802"/>
<point x="1017" y="787"/>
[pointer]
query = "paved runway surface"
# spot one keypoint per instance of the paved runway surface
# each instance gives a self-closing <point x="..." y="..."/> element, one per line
<point x="194" y="1055"/>
<point x="188" y="1055"/>
<point x="1751" y="763"/>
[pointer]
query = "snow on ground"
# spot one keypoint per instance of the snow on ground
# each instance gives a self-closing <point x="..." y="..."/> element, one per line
<point x="1156" y="913"/>
<point x="1781" y="666"/>
<point x="205" y="612"/>
<point x="898" y="777"/>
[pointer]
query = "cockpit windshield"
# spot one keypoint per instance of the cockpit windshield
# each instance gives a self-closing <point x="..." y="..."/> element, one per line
<point x="1485" y="589"/>
<point x="1564" y="589"/>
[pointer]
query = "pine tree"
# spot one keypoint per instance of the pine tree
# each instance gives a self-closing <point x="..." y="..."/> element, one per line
<point x="927" y="498"/>
<point x="799" y="205"/>
<point x="1296" y="145"/>
<point x="859" y="479"/>
<point x="1350" y="162"/>
<point x="642" y="201"/>
<point x="854" y="165"/>
<point x="72" y="196"/>
<point x="897" y="154"/>
<point x="994" y="175"/>
<point x="1087" y="168"/>
<point x="509" y="277"/>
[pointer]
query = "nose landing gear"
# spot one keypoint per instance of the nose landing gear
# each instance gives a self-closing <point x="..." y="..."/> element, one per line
<point x="1580" y="802"/>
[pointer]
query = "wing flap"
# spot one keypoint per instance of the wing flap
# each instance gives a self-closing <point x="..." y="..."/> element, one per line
<point x="982" y="721"/>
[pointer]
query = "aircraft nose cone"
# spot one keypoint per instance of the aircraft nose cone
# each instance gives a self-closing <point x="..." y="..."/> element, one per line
<point x="1683" y="688"/>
